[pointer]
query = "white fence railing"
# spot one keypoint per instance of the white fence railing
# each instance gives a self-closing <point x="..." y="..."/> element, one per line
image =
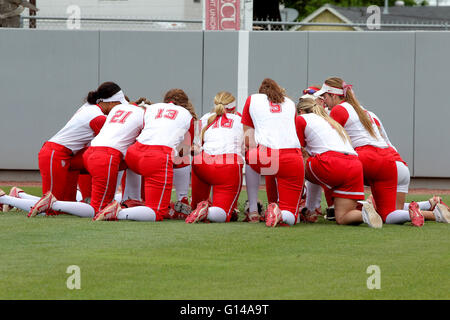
<point x="102" y="23"/>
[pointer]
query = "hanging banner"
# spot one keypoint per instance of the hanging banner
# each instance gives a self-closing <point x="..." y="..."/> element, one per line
<point x="222" y="14"/>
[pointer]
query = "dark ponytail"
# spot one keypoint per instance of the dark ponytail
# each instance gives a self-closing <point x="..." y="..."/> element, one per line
<point x="92" y="97"/>
<point x="105" y="90"/>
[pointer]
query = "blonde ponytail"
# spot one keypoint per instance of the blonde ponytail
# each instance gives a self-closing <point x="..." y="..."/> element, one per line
<point x="220" y="100"/>
<point x="309" y="105"/>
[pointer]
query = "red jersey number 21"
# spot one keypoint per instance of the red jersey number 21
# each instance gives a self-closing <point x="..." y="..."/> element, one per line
<point x="120" y="116"/>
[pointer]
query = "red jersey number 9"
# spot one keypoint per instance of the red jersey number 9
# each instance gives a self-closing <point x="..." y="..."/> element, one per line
<point x="120" y="116"/>
<point x="275" y="108"/>
<point x="168" y="114"/>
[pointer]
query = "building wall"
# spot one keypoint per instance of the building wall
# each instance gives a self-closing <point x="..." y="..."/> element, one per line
<point x="150" y="9"/>
<point x="398" y="75"/>
<point x="326" y="17"/>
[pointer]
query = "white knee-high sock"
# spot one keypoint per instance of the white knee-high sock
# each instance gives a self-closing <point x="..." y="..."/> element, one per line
<point x="140" y="213"/>
<point x="423" y="205"/>
<point x="398" y="217"/>
<point x="79" y="209"/>
<point x="288" y="217"/>
<point x="313" y="195"/>
<point x="22" y="204"/>
<point x="216" y="214"/>
<point x="252" y="184"/>
<point x="24" y="195"/>
<point x="132" y="186"/>
<point x="181" y="179"/>
<point x="118" y="197"/>
<point x="79" y="196"/>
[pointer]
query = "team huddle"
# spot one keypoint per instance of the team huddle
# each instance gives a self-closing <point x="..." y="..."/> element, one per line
<point x="119" y="160"/>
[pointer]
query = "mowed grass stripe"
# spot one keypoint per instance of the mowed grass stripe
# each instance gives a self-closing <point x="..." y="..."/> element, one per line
<point x="173" y="260"/>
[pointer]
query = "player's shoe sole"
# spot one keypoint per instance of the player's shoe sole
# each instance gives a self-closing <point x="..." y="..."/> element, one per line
<point x="182" y="207"/>
<point x="14" y="192"/>
<point x="415" y="215"/>
<point x="45" y="203"/>
<point x="108" y="213"/>
<point x="370" y="215"/>
<point x="441" y="213"/>
<point x="199" y="214"/>
<point x="252" y="217"/>
<point x="273" y="217"/>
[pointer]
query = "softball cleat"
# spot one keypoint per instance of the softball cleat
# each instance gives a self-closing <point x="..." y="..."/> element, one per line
<point x="273" y="217"/>
<point x="108" y="213"/>
<point x="14" y="192"/>
<point x="415" y="215"/>
<point x="370" y="215"/>
<point x="45" y="203"/>
<point x="199" y="214"/>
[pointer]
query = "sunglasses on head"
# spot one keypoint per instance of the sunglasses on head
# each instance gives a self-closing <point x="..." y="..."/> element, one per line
<point x="309" y="91"/>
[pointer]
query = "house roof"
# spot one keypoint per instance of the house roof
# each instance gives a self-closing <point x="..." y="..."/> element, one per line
<point x="399" y="15"/>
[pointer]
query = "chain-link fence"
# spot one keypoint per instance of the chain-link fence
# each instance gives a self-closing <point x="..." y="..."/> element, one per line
<point x="359" y="25"/>
<point x="106" y="23"/>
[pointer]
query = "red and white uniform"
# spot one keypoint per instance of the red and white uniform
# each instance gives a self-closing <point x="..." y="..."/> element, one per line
<point x="58" y="152"/>
<point x="274" y="124"/>
<point x="104" y="157"/>
<point x="166" y="126"/>
<point x="278" y="153"/>
<point x="403" y="174"/>
<point x="220" y="164"/>
<point x="380" y="169"/>
<point x="333" y="163"/>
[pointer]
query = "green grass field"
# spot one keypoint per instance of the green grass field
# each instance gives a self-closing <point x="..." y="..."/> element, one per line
<point x="173" y="260"/>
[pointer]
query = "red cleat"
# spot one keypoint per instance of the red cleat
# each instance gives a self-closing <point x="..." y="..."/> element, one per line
<point x="415" y="215"/>
<point x="108" y="213"/>
<point x="44" y="204"/>
<point x="14" y="192"/>
<point x="273" y="216"/>
<point x="199" y="214"/>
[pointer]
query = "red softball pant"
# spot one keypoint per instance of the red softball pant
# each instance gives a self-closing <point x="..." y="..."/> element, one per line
<point x="155" y="164"/>
<point x="380" y="173"/>
<point x="54" y="166"/>
<point x="286" y="165"/>
<point x="222" y="173"/>
<point x="102" y="164"/>
<point x="340" y="175"/>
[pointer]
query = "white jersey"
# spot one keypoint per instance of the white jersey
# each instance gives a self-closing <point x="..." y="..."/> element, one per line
<point x="381" y="129"/>
<point x="79" y="131"/>
<point x="274" y="123"/>
<point x="165" y="124"/>
<point x="122" y="126"/>
<point x="321" y="137"/>
<point x="224" y="136"/>
<point x="358" y="134"/>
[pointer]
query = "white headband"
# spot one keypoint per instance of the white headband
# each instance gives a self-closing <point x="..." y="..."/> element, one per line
<point x="308" y="96"/>
<point x="119" y="96"/>
<point x="327" y="89"/>
<point x="231" y="105"/>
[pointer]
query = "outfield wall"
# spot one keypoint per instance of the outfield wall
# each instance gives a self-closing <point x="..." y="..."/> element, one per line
<point x="401" y="76"/>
